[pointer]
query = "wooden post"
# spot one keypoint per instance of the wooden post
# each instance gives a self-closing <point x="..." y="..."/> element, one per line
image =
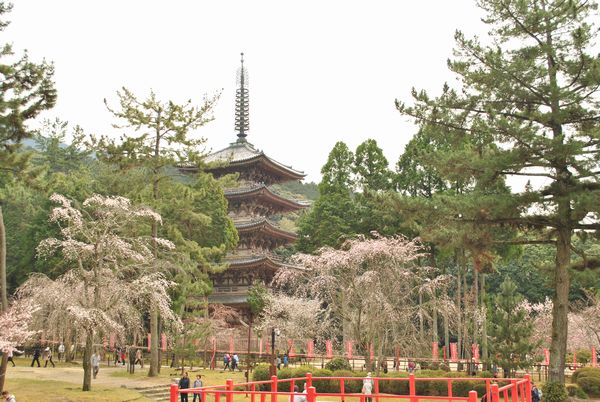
<point x="311" y="396"/>
<point x="274" y="388"/>
<point x="495" y="393"/>
<point x="229" y="395"/>
<point x="412" y="387"/>
<point x="528" y="388"/>
<point x="173" y="393"/>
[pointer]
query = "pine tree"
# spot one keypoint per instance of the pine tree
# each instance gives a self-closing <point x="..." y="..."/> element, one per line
<point x="510" y="330"/>
<point x="27" y="89"/>
<point x="528" y="106"/>
<point x="371" y="167"/>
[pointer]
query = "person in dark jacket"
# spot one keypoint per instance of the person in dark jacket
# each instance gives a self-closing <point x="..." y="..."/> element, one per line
<point x="184" y="383"/>
<point x="36" y="357"/>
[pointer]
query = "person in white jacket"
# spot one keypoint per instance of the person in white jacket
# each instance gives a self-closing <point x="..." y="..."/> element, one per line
<point x="95" y="360"/>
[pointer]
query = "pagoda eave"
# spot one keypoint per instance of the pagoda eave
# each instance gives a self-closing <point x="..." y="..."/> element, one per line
<point x="262" y="194"/>
<point x="265" y="228"/>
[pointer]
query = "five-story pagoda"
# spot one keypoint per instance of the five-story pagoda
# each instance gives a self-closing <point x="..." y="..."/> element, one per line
<point x="251" y="204"/>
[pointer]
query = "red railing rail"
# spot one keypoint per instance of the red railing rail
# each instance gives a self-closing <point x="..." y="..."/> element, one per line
<point x="515" y="389"/>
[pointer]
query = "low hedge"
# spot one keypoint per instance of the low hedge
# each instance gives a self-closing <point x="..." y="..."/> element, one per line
<point x="391" y="386"/>
<point x="590" y="385"/>
<point x="585" y="372"/>
<point x="574" y="390"/>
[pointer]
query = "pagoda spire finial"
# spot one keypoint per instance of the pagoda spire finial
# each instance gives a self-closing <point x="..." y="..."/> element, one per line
<point x="242" y="103"/>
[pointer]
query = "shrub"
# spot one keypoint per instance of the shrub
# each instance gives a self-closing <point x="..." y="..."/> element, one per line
<point x="324" y="385"/>
<point x="397" y="387"/>
<point x="585" y="372"/>
<point x="485" y="374"/>
<point x="261" y="373"/>
<point x="339" y="363"/>
<point x="554" y="392"/>
<point x="590" y="384"/>
<point x="300" y="372"/>
<point x="350" y="387"/>
<point x="584" y="356"/>
<point x="282" y="375"/>
<point x="574" y="390"/>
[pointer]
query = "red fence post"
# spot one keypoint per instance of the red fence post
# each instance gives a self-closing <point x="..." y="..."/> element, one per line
<point x="252" y="395"/>
<point x="218" y="396"/>
<point x="377" y="390"/>
<point x="528" y="388"/>
<point x="274" y="388"/>
<point x="173" y="393"/>
<point x="412" y="389"/>
<point x="472" y="396"/>
<point x="514" y="389"/>
<point x="308" y="380"/>
<point x="342" y="388"/>
<point x="450" y="388"/>
<point x="311" y="395"/>
<point x="229" y="394"/>
<point x="495" y="393"/>
<point x="488" y="392"/>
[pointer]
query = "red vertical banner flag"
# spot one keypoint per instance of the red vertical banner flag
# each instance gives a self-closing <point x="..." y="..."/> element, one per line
<point x="574" y="359"/>
<point x="260" y="346"/>
<point x="112" y="341"/>
<point x="163" y="342"/>
<point x="445" y="354"/>
<point x="213" y="343"/>
<point x="453" y="352"/>
<point x="434" y="351"/>
<point x="310" y="348"/>
<point x="349" y="349"/>
<point x="329" y="349"/>
<point x="594" y="357"/>
<point x="291" y="352"/>
<point x="231" y="344"/>
<point x="546" y="356"/>
<point x="475" y="352"/>
<point x="371" y="351"/>
<point x="149" y="341"/>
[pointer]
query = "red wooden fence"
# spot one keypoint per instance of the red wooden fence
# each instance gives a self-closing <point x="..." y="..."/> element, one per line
<point x="515" y="390"/>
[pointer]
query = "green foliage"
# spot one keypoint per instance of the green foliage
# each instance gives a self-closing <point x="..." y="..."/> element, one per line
<point x="257" y="298"/>
<point x="585" y="372"/>
<point x="338" y="363"/>
<point x="576" y="391"/>
<point x="509" y="330"/>
<point x="261" y="373"/>
<point x="371" y="167"/>
<point x="337" y="171"/>
<point x="554" y="392"/>
<point x="590" y="385"/>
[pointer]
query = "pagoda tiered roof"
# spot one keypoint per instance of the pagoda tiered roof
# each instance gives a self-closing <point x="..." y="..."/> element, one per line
<point x="262" y="228"/>
<point x="252" y="164"/>
<point x="261" y="194"/>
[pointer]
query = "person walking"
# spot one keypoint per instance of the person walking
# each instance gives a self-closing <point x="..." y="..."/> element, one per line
<point x="197" y="384"/>
<point x="10" y="355"/>
<point x="184" y="384"/>
<point x="226" y="361"/>
<point x="48" y="357"/>
<point x="139" y="358"/>
<point x="95" y="360"/>
<point x="117" y="356"/>
<point x="61" y="351"/>
<point x="36" y="356"/>
<point x="367" y="387"/>
<point x="235" y="362"/>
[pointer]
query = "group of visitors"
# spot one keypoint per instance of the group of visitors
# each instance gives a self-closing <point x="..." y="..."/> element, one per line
<point x="231" y="362"/>
<point x="184" y="383"/>
<point x="285" y="361"/>
<point x="37" y="353"/>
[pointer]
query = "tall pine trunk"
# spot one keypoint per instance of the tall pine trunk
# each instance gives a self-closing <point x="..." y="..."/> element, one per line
<point x="3" y="291"/>
<point x="87" y="364"/>
<point x="484" y="340"/>
<point x="154" y="362"/>
<point x="560" y="310"/>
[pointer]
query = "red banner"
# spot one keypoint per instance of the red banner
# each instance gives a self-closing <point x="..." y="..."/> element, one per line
<point x="475" y="352"/>
<point x="454" y="352"/>
<point x="231" y="345"/>
<point x="594" y="357"/>
<point x="213" y="343"/>
<point x="260" y="346"/>
<point x="575" y="359"/>
<point x="349" y="349"/>
<point x="371" y="351"/>
<point x="434" y="351"/>
<point x="546" y="356"/>
<point x="329" y="349"/>
<point x="149" y="340"/>
<point x="112" y="342"/>
<point x="310" y="348"/>
<point x="445" y="355"/>
<point x="163" y="342"/>
<point x="291" y="352"/>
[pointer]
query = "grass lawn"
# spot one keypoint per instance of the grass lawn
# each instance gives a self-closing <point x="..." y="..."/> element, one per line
<point x="30" y="390"/>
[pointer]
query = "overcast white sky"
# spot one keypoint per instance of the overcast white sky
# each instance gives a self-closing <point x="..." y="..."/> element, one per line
<point x="320" y="71"/>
